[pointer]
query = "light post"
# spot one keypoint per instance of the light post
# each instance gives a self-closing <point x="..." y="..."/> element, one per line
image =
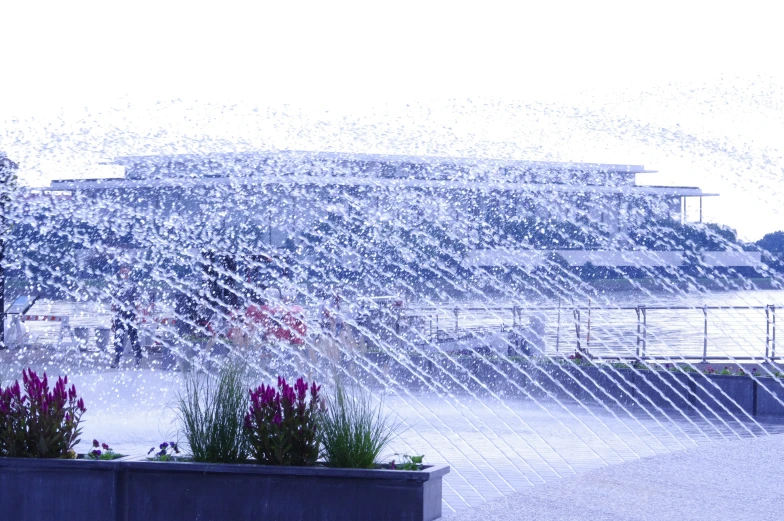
<point x="7" y="180"/>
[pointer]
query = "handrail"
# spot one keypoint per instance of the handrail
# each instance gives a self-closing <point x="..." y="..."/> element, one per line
<point x="603" y="308"/>
<point x="641" y="351"/>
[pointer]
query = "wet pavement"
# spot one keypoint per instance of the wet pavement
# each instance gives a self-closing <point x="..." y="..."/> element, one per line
<point x="495" y="447"/>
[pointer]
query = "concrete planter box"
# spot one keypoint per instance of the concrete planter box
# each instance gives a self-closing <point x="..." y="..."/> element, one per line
<point x="103" y="337"/>
<point x="495" y="376"/>
<point x="47" y="489"/>
<point x="736" y="393"/>
<point x="142" y="490"/>
<point x="666" y="390"/>
<point x="770" y="394"/>
<point x="606" y="384"/>
<point x="560" y="380"/>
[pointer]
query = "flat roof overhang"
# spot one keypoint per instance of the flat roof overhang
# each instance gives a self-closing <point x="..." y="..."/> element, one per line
<point x="299" y="156"/>
<point x="388" y="184"/>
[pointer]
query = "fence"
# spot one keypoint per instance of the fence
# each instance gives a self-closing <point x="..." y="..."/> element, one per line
<point x="700" y="333"/>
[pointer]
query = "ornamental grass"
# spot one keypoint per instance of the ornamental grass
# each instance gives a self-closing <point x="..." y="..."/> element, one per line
<point x="354" y="430"/>
<point x="211" y="410"/>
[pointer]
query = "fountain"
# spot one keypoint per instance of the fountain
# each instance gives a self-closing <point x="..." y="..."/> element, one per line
<point x="524" y="320"/>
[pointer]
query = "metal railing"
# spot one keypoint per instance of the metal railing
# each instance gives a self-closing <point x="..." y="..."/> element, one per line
<point x="698" y="333"/>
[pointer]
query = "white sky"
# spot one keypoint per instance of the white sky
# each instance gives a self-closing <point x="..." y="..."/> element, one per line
<point x="693" y="90"/>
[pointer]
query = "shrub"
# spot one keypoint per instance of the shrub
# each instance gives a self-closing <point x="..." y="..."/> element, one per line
<point x="354" y="432"/>
<point x="102" y="451"/>
<point x="169" y="451"/>
<point x="282" y="424"/>
<point x="408" y="463"/>
<point x="39" y="423"/>
<point x="211" y="413"/>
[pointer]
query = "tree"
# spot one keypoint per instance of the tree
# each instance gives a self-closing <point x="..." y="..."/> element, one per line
<point x="773" y="242"/>
<point x="7" y="184"/>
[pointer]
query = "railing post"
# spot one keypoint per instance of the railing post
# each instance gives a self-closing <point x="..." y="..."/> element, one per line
<point x="705" y="335"/>
<point x="767" y="332"/>
<point x="577" y="327"/>
<point x="558" y="327"/>
<point x="588" y="334"/>
<point x="644" y="332"/>
<point x="773" y="336"/>
<point x="639" y="339"/>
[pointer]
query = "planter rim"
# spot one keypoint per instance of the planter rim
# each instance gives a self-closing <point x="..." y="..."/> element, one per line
<point x="425" y="474"/>
<point x="728" y="376"/>
<point x="128" y="462"/>
<point x="59" y="463"/>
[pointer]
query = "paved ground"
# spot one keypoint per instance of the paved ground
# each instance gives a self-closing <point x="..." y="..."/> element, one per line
<point x="727" y="480"/>
<point x="496" y="447"/>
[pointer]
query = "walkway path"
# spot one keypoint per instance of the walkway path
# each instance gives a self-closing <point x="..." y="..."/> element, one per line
<point x="727" y="480"/>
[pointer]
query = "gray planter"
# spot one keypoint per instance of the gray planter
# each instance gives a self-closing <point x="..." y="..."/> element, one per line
<point x="42" y="489"/>
<point x="607" y="385"/>
<point x="34" y="489"/>
<point x="770" y="395"/>
<point x="82" y="336"/>
<point x="665" y="390"/>
<point x="102" y="338"/>
<point x="558" y="381"/>
<point x="734" y="396"/>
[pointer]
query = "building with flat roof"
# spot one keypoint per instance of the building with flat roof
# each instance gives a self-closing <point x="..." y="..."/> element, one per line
<point x="353" y="210"/>
<point x="604" y="194"/>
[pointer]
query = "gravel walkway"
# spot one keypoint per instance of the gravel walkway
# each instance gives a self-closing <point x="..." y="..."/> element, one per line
<point x="727" y="480"/>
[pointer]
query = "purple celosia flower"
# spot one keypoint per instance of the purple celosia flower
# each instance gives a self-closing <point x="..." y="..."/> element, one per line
<point x="301" y="388"/>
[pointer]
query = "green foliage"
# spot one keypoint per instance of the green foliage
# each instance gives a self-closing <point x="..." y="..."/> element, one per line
<point x="669" y="234"/>
<point x="408" y="463"/>
<point x="102" y="452"/>
<point x="354" y="431"/>
<point x="578" y="359"/>
<point x="772" y="242"/>
<point x="211" y="411"/>
<point x="282" y="425"/>
<point x="168" y="451"/>
<point x="553" y="234"/>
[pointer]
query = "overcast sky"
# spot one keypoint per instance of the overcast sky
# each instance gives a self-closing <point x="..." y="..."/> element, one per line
<point x="690" y="89"/>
